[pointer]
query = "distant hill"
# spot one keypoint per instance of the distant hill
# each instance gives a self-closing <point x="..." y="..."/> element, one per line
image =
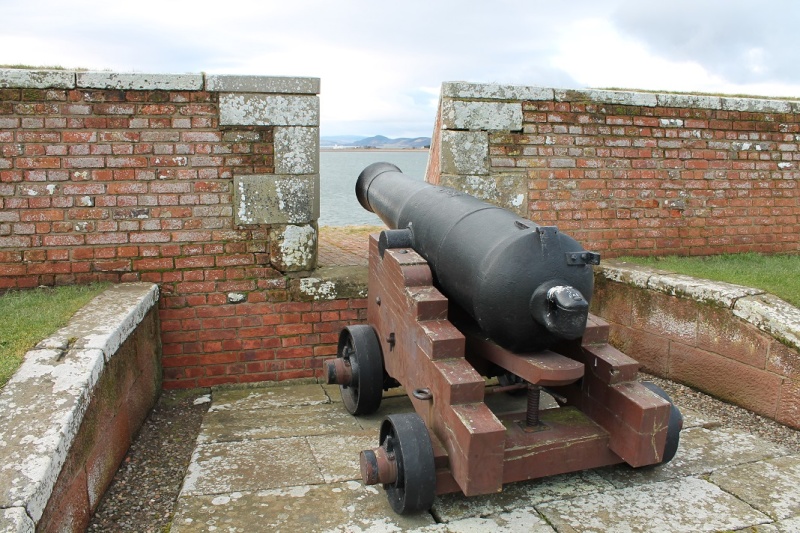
<point x="378" y="141"/>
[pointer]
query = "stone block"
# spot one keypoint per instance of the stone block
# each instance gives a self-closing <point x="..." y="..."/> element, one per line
<point x="247" y="109"/>
<point x="651" y="351"/>
<point x="464" y="153"/>
<point x="261" y="84"/>
<point x="756" y="105"/>
<point x="771" y="314"/>
<point x="70" y="510"/>
<point x="296" y="150"/>
<point x="293" y="248"/>
<point x="42" y="408"/>
<point x="481" y="116"/>
<point x="494" y="91"/>
<point x="509" y="191"/>
<point x="783" y="360"/>
<point x="108" y="453"/>
<point x="139" y="82"/>
<point x="606" y="97"/>
<point x="276" y="199"/>
<point x="36" y="79"/>
<point x="667" y="316"/>
<point x="789" y="406"/>
<point x="701" y="290"/>
<point x="726" y="379"/>
<point x="720" y="332"/>
<point x="689" y="100"/>
<point x="331" y="283"/>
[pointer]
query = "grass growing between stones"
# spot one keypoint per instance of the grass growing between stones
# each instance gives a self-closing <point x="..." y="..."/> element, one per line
<point x="776" y="274"/>
<point x="28" y="316"/>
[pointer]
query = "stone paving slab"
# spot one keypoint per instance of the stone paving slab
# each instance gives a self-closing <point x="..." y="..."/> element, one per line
<point x="772" y="486"/>
<point x="688" y="504"/>
<point x="250" y="424"/>
<point x="336" y="507"/>
<point x="286" y="459"/>
<point x="269" y="397"/>
<point x="251" y="465"/>
<point x="455" y="507"/>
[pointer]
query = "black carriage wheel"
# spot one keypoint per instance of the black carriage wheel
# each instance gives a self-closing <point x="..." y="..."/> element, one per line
<point x="406" y="436"/>
<point x="673" y="427"/>
<point x="360" y="347"/>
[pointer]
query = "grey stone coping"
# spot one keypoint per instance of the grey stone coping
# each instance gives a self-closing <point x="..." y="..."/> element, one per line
<point x="137" y="81"/>
<point x="43" y="404"/>
<point x="765" y="311"/>
<point x="262" y="84"/>
<point x="36" y="79"/>
<point x="492" y="91"/>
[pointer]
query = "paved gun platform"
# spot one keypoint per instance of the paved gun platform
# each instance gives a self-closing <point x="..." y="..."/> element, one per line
<point x="285" y="458"/>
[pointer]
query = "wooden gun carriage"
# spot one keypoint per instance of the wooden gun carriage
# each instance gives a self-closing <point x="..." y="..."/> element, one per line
<point x="461" y="291"/>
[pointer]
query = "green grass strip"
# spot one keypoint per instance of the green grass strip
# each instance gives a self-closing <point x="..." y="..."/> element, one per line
<point x="776" y="274"/>
<point x="28" y="316"/>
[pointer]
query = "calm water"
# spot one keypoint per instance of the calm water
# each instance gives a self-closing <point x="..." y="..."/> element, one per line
<point x="338" y="173"/>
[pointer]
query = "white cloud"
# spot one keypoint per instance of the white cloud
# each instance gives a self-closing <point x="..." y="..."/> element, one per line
<point x="382" y="64"/>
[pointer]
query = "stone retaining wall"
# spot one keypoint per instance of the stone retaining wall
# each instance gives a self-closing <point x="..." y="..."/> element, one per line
<point x="69" y="414"/>
<point x="735" y="343"/>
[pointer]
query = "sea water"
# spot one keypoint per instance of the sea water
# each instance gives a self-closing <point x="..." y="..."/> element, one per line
<point x="339" y="170"/>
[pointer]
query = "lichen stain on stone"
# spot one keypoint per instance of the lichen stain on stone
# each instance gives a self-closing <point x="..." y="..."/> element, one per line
<point x="297" y="247"/>
<point x="293" y="199"/>
<point x="318" y="289"/>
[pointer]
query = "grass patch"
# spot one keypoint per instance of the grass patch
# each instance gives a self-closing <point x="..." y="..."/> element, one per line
<point x="28" y="316"/>
<point x="776" y="274"/>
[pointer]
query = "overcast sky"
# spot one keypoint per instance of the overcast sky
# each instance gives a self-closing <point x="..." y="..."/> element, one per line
<point x="382" y="63"/>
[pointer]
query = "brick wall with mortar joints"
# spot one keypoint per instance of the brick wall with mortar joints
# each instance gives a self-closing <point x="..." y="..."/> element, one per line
<point x="127" y="185"/>
<point x="639" y="173"/>
<point x="638" y="180"/>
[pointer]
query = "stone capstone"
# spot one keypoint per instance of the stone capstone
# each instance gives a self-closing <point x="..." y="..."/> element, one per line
<point x="140" y="82"/>
<point x="36" y="79"/>
<point x="246" y="109"/>
<point x="262" y="84"/>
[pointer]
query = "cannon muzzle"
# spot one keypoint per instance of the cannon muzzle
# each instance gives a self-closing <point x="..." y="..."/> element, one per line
<point x="525" y="286"/>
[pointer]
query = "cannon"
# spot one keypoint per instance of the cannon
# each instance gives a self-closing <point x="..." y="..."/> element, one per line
<point x="467" y="301"/>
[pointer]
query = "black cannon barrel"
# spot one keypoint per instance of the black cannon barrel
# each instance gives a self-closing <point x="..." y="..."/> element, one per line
<point x="526" y="286"/>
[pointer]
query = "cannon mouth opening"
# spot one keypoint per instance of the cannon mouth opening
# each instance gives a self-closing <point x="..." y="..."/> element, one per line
<point x="560" y="308"/>
<point x="365" y="180"/>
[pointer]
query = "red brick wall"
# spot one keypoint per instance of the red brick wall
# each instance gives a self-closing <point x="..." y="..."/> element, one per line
<point x="659" y="180"/>
<point x="137" y="185"/>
